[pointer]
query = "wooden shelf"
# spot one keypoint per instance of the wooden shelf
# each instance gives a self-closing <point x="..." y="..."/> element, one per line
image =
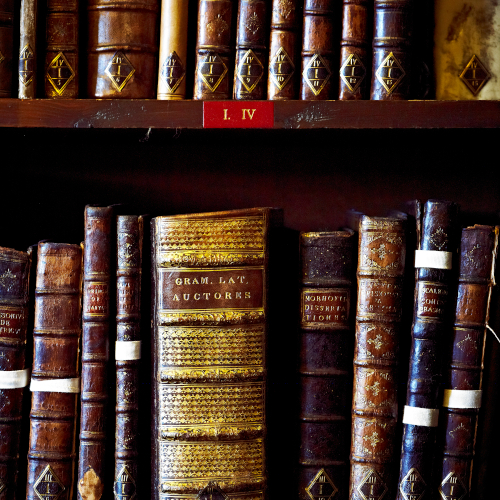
<point x="116" y="114"/>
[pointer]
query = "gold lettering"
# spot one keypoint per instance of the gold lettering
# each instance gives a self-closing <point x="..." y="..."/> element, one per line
<point x="225" y="114"/>
<point x="228" y="295"/>
<point x="176" y="297"/>
<point x="249" y="112"/>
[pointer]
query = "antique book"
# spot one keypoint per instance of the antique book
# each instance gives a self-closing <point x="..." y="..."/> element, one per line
<point x="173" y="50"/>
<point x="356" y="50"/>
<point x="392" y="50"/>
<point x="466" y="56"/>
<point x="97" y="296"/>
<point x="122" y="48"/>
<point x="61" y="49"/>
<point x="7" y="47"/>
<point x="214" y="50"/>
<point x="127" y="355"/>
<point x="328" y="269"/>
<point x="438" y="234"/>
<point x="27" y="65"/>
<point x="381" y="264"/>
<point x="14" y="376"/>
<point x="320" y="52"/>
<point x="284" y="50"/>
<point x="464" y="361"/>
<point x="210" y="275"/>
<point x="252" y="37"/>
<point x="55" y="381"/>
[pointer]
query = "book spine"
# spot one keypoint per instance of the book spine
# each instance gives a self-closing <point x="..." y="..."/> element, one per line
<point x="214" y="50"/>
<point x="173" y="50"/>
<point x="27" y="67"/>
<point x="54" y="379"/>
<point x="466" y="56"/>
<point x="122" y="59"/>
<point x="95" y="350"/>
<point x="381" y="264"/>
<point x="7" y="56"/>
<point x="392" y="50"/>
<point x="14" y="376"/>
<point x="127" y="355"/>
<point x="251" y="50"/>
<point x="284" y="50"/>
<point x="435" y="275"/>
<point x="61" y="54"/>
<point x="320" y="53"/>
<point x="355" y="50"/>
<point x="464" y="373"/>
<point x="326" y="351"/>
<point x="209" y="344"/>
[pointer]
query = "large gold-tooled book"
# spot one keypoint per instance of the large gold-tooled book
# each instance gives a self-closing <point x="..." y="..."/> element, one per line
<point x="210" y="274"/>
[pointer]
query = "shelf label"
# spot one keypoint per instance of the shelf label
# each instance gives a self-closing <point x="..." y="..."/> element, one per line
<point x="238" y="114"/>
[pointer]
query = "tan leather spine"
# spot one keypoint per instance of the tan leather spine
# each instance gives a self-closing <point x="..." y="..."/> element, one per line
<point x="27" y="67"/>
<point x="173" y="50"/>
<point x="51" y="456"/>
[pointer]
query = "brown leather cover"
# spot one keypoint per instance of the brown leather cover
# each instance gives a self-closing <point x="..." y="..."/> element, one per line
<point x="51" y="456"/>
<point x="61" y="54"/>
<point x="7" y="47"/>
<point x="355" y="50"/>
<point x="464" y="358"/>
<point x="210" y="275"/>
<point x="214" y="50"/>
<point x="14" y="285"/>
<point x="27" y="66"/>
<point x="326" y="350"/>
<point x="320" y="52"/>
<point x="97" y="298"/>
<point x="122" y="48"/>
<point x="438" y="230"/>
<point x="128" y="315"/>
<point x="381" y="264"/>
<point x="284" y="50"/>
<point x="392" y="50"/>
<point x="252" y="37"/>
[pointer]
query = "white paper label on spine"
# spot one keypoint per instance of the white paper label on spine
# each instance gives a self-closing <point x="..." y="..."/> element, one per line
<point x="71" y="385"/>
<point x="433" y="259"/>
<point x="454" y="398"/>
<point x="14" y="379"/>
<point x="425" y="417"/>
<point x="127" y="350"/>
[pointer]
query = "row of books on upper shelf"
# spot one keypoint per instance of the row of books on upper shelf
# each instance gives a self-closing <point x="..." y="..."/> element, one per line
<point x="220" y="421"/>
<point x="251" y="49"/>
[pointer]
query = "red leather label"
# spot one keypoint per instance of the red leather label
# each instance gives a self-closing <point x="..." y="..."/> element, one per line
<point x="238" y="114"/>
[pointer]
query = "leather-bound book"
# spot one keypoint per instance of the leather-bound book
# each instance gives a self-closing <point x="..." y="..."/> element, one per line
<point x="320" y="49"/>
<point x="356" y="50"/>
<point x="466" y="55"/>
<point x="7" y="47"/>
<point x="127" y="355"/>
<point x="214" y="50"/>
<point x="252" y="37"/>
<point x="464" y="359"/>
<point x="55" y="381"/>
<point x="210" y="275"/>
<point x="328" y="271"/>
<point x="97" y="295"/>
<point x="14" y="376"/>
<point x="381" y="264"/>
<point x="392" y="50"/>
<point x="173" y="50"/>
<point x="27" y="65"/>
<point x="438" y="234"/>
<point x="283" y="75"/>
<point x="122" y="48"/>
<point x="61" y="50"/>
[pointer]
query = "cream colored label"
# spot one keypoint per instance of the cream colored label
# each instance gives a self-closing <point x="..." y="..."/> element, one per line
<point x="127" y="350"/>
<point x="70" y="385"/>
<point x="433" y="259"/>
<point x="453" y="398"/>
<point x="425" y="417"/>
<point x="14" y="379"/>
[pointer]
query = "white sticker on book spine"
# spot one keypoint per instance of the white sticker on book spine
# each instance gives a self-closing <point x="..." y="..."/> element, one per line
<point x="69" y="385"/>
<point x="14" y="379"/>
<point x="127" y="350"/>
<point x="433" y="259"/>
<point x="454" y="398"/>
<point x="425" y="417"/>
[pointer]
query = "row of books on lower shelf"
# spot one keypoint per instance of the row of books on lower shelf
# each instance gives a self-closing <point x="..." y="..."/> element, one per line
<point x="251" y="49"/>
<point x="217" y="282"/>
